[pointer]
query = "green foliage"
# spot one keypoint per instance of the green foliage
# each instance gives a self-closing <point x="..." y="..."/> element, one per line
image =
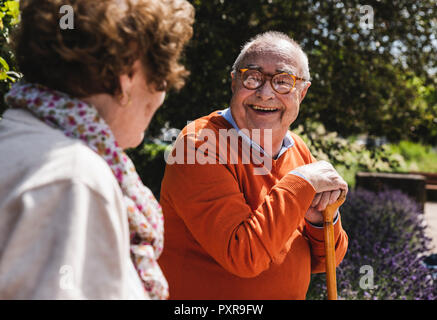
<point x="418" y="157"/>
<point x="348" y="155"/>
<point x="150" y="164"/>
<point x="363" y="81"/>
<point x="9" y="17"/>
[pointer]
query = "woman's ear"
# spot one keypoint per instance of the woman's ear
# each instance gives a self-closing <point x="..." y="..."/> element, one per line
<point x="127" y="80"/>
<point x="125" y="88"/>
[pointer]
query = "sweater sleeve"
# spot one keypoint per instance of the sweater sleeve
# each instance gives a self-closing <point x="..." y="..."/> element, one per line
<point x="317" y="243"/>
<point x="243" y="241"/>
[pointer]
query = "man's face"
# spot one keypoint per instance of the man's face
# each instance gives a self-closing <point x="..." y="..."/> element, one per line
<point x="285" y="107"/>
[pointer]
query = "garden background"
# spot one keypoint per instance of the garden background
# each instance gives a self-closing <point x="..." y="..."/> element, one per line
<point x="372" y="106"/>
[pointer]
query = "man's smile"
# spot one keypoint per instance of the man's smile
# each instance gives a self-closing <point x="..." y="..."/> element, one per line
<point x="263" y="109"/>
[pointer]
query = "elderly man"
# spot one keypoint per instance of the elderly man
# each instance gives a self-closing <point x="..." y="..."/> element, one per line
<point x="232" y="232"/>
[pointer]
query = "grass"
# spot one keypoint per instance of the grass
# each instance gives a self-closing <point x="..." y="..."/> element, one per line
<point x="418" y="157"/>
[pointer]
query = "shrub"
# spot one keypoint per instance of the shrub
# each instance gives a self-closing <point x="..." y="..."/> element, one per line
<point x="150" y="164"/>
<point x="386" y="232"/>
<point x="9" y="14"/>
<point x="348" y="155"/>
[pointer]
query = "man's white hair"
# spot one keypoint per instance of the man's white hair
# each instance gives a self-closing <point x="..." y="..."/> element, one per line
<point x="264" y="42"/>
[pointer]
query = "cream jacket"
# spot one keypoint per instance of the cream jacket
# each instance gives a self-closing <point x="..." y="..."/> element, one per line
<point x="63" y="229"/>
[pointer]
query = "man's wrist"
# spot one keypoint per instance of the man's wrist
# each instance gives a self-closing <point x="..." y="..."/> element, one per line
<point x="298" y="174"/>
<point x="320" y="224"/>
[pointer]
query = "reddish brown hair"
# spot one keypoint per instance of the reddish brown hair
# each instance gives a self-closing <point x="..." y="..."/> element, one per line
<point x="108" y="36"/>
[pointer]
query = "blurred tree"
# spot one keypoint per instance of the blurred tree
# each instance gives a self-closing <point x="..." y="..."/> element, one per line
<point x="374" y="79"/>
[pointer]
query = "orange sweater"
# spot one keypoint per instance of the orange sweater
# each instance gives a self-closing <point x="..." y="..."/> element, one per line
<point x="230" y="234"/>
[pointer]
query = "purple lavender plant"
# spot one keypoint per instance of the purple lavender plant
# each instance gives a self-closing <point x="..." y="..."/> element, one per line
<point x="386" y="232"/>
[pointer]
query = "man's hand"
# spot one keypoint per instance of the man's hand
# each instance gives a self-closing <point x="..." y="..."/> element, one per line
<point x="322" y="176"/>
<point x="328" y="185"/>
<point x="321" y="200"/>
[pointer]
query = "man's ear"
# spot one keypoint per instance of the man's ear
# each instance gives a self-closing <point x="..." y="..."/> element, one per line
<point x="304" y="91"/>
<point x="233" y="81"/>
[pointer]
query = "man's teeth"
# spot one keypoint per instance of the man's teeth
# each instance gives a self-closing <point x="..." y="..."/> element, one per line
<point x="263" y="108"/>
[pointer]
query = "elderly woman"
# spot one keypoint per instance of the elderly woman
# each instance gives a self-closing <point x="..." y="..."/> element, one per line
<point x="75" y="220"/>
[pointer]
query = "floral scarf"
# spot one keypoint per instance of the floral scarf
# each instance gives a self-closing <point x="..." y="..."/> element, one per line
<point x="79" y="120"/>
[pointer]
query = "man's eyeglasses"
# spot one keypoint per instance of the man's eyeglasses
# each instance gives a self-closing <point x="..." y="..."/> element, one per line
<point x="282" y="83"/>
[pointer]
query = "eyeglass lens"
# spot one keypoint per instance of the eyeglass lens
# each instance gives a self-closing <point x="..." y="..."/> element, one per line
<point x="282" y="82"/>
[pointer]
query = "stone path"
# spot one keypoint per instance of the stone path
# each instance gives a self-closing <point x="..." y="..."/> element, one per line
<point x="431" y="221"/>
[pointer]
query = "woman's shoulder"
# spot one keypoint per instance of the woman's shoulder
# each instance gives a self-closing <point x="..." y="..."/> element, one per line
<point x="40" y="155"/>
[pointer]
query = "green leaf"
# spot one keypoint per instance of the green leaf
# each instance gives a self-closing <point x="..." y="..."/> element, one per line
<point x="4" y="65"/>
<point x="13" y="9"/>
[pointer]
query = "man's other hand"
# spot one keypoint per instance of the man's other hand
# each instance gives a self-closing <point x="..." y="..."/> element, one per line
<point x="320" y="201"/>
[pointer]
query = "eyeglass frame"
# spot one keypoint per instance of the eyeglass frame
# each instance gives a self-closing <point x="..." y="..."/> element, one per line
<point x="264" y="75"/>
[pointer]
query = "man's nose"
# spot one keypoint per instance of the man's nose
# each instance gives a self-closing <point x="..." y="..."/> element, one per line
<point x="265" y="92"/>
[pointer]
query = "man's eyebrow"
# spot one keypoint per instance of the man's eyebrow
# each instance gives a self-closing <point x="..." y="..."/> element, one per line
<point x="287" y="70"/>
<point x="254" y="66"/>
<point x="281" y="70"/>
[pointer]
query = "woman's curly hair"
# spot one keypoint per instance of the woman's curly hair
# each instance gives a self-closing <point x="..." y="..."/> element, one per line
<point x="107" y="37"/>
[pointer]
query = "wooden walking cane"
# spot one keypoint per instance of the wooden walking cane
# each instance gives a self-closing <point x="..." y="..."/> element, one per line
<point x="328" y="217"/>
